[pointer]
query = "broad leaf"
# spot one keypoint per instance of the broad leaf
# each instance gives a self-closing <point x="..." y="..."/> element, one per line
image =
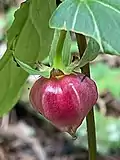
<point x="99" y="19"/>
<point x="40" y="13"/>
<point x="14" y="32"/>
<point x="12" y="77"/>
<point x="24" y="41"/>
<point x="18" y="23"/>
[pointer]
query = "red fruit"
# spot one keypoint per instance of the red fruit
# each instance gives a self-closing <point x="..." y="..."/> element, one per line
<point x="64" y="100"/>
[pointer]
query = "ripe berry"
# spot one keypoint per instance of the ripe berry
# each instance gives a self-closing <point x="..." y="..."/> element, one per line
<point x="64" y="100"/>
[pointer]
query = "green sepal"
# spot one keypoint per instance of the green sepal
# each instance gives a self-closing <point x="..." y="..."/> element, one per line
<point x="66" y="54"/>
<point x="54" y="46"/>
<point x="43" y="71"/>
<point x="64" y="58"/>
<point x="91" y="52"/>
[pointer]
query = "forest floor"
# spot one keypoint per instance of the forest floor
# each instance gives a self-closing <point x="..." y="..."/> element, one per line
<point x="28" y="137"/>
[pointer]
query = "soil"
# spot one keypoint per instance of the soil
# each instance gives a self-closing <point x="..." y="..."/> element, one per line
<point x="27" y="137"/>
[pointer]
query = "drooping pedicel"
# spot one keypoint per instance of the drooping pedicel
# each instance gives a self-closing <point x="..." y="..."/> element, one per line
<point x="64" y="100"/>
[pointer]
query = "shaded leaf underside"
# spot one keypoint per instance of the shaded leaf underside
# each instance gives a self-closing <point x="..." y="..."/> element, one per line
<point x="99" y="19"/>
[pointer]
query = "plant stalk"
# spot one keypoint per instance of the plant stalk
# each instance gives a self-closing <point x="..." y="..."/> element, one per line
<point x="82" y="44"/>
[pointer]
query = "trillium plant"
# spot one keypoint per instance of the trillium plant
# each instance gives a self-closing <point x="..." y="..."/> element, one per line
<point x="39" y="43"/>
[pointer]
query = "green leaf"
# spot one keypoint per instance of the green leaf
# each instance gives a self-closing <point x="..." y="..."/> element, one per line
<point x="12" y="77"/>
<point x="24" y="41"/>
<point x="18" y="23"/>
<point x="14" y="32"/>
<point x="43" y="70"/>
<point x="90" y="53"/>
<point x="98" y="19"/>
<point x="40" y="13"/>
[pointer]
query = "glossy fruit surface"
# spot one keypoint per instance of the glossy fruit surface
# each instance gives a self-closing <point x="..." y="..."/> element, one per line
<point x="64" y="100"/>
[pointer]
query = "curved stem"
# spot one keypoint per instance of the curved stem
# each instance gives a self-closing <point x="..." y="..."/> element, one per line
<point x="82" y="44"/>
<point x="57" y="62"/>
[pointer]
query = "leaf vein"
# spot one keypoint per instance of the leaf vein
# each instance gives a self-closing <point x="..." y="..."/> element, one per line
<point x="96" y="27"/>
<point x="75" y="16"/>
<point x="107" y="5"/>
